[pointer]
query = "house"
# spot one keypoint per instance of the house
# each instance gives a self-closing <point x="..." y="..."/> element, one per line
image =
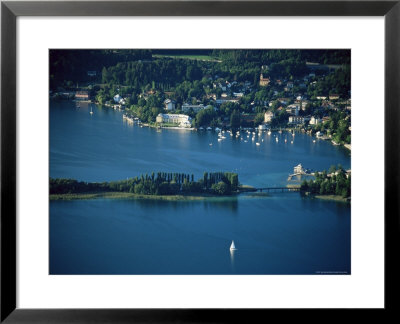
<point x="293" y="109"/>
<point x="321" y="97"/>
<point x="264" y="81"/>
<point x="222" y="87"/>
<point x="333" y="96"/>
<point x="91" y="73"/>
<point x="315" y="121"/>
<point x="223" y="100"/>
<point x="238" y="94"/>
<point x="181" y="120"/>
<point x="117" y="98"/>
<point x="268" y="116"/>
<point x="296" y="120"/>
<point x="283" y="101"/>
<point x="298" y="169"/>
<point x="82" y="95"/>
<point x="169" y="104"/>
<point x="196" y="108"/>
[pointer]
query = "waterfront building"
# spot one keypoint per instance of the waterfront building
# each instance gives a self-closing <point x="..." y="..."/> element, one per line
<point x="179" y="119"/>
<point x="299" y="169"/>
<point x="268" y="116"/>
<point x="82" y="95"/>
<point x="117" y="98"/>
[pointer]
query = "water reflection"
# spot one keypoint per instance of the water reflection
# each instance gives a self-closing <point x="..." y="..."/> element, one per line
<point x="232" y="253"/>
<point x="223" y="203"/>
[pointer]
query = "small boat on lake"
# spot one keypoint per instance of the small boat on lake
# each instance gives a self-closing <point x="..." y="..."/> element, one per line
<point x="91" y="111"/>
<point x="232" y="246"/>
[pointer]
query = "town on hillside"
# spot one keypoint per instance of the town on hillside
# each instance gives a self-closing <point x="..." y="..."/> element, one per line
<point x="304" y="90"/>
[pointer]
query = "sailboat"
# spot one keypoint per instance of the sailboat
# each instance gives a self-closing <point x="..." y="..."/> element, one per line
<point x="233" y="246"/>
<point x="91" y="111"/>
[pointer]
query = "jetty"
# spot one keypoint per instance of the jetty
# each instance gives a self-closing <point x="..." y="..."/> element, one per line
<point x="271" y="189"/>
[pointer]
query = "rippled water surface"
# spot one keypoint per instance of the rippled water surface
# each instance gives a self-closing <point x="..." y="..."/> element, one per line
<point x="281" y="233"/>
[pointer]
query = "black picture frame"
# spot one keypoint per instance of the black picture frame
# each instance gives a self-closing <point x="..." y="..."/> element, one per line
<point x="10" y="10"/>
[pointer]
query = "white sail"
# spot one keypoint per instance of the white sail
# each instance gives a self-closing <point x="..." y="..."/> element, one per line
<point x="233" y="246"/>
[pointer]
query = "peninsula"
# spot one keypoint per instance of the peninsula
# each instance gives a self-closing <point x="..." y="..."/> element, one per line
<point x="167" y="186"/>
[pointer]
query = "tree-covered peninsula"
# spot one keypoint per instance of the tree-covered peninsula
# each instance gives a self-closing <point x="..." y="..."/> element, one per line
<point x="334" y="182"/>
<point x="160" y="184"/>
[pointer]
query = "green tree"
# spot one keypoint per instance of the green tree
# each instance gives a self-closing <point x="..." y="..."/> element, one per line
<point x="235" y="119"/>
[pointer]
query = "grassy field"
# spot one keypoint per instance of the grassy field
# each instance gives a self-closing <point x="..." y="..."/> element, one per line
<point x="188" y="57"/>
<point x="121" y="195"/>
<point x="332" y="197"/>
<point x="127" y="195"/>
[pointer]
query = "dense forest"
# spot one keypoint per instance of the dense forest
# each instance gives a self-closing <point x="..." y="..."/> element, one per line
<point x="162" y="183"/>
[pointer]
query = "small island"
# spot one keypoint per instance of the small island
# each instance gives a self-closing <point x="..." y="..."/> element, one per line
<point x="163" y="185"/>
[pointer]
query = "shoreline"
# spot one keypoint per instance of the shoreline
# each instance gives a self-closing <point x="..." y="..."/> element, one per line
<point x="289" y="129"/>
<point x="332" y="198"/>
<point x="127" y="195"/>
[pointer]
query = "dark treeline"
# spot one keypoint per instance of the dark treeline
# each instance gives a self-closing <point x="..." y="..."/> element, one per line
<point x="73" y="65"/>
<point x="160" y="73"/>
<point x="333" y="182"/>
<point x="137" y="68"/>
<point x="162" y="183"/>
<point x="322" y="56"/>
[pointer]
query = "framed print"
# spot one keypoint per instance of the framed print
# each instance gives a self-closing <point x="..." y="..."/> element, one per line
<point x="191" y="161"/>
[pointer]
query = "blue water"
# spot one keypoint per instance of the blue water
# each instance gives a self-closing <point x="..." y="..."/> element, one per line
<point x="277" y="234"/>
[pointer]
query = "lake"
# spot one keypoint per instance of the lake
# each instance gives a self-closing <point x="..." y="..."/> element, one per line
<point x="278" y="233"/>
